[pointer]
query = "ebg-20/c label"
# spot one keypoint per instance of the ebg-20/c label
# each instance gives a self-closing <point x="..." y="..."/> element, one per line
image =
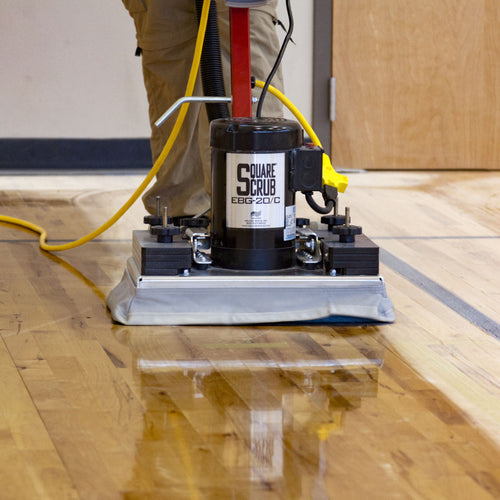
<point x="255" y="190"/>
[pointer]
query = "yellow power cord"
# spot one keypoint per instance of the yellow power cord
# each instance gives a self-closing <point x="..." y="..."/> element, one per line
<point x="330" y="177"/>
<point x="158" y="163"/>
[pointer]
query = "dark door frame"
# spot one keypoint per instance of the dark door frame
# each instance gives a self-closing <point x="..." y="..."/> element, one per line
<point x="322" y="70"/>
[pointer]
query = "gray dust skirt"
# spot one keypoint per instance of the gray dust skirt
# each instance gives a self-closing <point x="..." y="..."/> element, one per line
<point x="239" y="300"/>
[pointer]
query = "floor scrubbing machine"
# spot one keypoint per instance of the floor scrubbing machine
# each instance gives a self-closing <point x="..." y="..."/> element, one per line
<point x="252" y="260"/>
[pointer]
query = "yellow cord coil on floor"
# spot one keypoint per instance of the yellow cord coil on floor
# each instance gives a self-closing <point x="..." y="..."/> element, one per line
<point x="158" y="163"/>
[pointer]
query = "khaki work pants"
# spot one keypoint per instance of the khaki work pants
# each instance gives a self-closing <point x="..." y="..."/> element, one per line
<point x="166" y="33"/>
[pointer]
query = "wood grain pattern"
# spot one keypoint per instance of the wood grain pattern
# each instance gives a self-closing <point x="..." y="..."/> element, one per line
<point x="418" y="84"/>
<point x="90" y="409"/>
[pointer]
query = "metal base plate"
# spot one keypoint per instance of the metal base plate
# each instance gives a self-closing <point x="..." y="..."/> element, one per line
<point x="218" y="296"/>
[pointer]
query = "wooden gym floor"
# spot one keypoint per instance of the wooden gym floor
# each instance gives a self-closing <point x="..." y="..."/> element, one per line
<point x="91" y="409"/>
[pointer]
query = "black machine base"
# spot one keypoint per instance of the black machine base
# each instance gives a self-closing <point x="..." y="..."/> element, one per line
<point x="359" y="258"/>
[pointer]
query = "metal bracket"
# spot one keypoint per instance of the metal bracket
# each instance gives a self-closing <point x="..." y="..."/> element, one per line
<point x="308" y="248"/>
<point x="199" y="241"/>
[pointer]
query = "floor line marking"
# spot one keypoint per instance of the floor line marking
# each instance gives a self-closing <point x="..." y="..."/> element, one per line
<point x="464" y="309"/>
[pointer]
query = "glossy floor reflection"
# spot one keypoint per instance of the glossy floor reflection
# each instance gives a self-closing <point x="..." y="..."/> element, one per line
<point x="244" y="414"/>
<point x="292" y="413"/>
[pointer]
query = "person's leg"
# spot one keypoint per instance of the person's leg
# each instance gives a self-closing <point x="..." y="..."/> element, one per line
<point x="179" y="182"/>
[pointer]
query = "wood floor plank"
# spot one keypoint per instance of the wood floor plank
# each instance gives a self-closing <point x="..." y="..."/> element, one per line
<point x="30" y="464"/>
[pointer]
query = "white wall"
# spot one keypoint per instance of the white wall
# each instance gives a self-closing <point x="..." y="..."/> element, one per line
<point x="69" y="71"/>
<point x="298" y="60"/>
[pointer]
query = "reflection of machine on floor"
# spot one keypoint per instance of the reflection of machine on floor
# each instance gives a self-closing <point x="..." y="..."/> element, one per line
<point x="265" y="264"/>
<point x="256" y="411"/>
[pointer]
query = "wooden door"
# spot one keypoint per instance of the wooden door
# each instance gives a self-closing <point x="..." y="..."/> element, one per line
<point x="417" y="84"/>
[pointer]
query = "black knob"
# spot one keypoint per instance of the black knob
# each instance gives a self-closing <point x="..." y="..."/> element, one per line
<point x="195" y="222"/>
<point x="153" y="220"/>
<point x="165" y="234"/>
<point x="333" y="220"/>
<point x="347" y="234"/>
<point x="301" y="222"/>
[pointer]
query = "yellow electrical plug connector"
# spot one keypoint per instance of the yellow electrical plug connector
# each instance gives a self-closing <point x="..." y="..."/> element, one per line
<point x="330" y="176"/>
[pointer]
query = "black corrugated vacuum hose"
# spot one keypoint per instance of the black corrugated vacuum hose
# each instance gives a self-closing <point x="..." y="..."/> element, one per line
<point x="211" y="66"/>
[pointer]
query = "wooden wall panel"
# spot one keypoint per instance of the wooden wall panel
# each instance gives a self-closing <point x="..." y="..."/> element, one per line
<point x="417" y="84"/>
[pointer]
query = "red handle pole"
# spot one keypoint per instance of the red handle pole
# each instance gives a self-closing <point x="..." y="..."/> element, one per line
<point x="241" y="73"/>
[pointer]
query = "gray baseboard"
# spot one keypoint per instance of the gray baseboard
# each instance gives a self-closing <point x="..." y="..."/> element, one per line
<point x="20" y="155"/>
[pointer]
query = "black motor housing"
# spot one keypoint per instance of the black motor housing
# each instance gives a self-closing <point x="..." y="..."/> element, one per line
<point x="253" y="204"/>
